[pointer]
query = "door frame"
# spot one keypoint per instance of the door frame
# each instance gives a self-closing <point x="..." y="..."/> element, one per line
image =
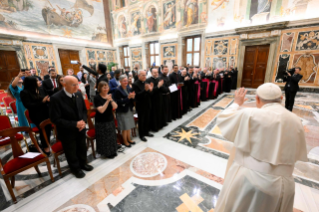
<point x="274" y="44"/>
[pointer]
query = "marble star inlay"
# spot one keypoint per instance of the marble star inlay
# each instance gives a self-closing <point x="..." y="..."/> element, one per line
<point x="185" y="135"/>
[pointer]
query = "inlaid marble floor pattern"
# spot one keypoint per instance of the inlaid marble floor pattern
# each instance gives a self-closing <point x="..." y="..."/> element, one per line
<point x="180" y="169"/>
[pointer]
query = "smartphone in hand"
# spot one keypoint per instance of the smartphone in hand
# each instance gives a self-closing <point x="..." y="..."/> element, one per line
<point x="74" y="62"/>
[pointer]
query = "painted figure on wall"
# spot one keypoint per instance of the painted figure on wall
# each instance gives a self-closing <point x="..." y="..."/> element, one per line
<point x="169" y="15"/>
<point x="190" y="12"/>
<point x="136" y="23"/>
<point x="169" y="51"/>
<point x="151" y="19"/>
<point x="259" y="10"/>
<point x="122" y="27"/>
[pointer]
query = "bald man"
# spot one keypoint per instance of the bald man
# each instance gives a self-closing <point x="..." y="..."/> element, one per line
<point x="69" y="114"/>
<point x="268" y="140"/>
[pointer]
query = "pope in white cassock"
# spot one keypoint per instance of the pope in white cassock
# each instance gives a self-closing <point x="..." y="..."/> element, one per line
<point x="268" y="140"/>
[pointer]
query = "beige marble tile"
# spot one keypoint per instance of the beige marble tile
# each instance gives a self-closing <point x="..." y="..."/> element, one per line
<point x="203" y="120"/>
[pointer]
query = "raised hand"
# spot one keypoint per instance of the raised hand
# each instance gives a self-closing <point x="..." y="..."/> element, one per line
<point x="240" y="96"/>
<point x="160" y="83"/>
<point x="46" y="98"/>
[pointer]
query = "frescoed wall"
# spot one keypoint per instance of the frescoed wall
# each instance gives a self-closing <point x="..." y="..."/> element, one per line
<point x="96" y="56"/>
<point x="231" y="14"/>
<point x="299" y="47"/>
<point x="83" y="19"/>
<point x="221" y="52"/>
<point x="40" y="57"/>
<point x="156" y="17"/>
<point x="169" y="55"/>
<point x="136" y="57"/>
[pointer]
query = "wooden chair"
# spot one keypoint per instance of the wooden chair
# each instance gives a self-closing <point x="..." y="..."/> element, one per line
<point x="90" y="134"/>
<point x="5" y="123"/>
<point x="13" y="107"/>
<point x="35" y="130"/>
<point x="7" y="100"/>
<point x="56" y="149"/>
<point x="2" y="105"/>
<point x="17" y="164"/>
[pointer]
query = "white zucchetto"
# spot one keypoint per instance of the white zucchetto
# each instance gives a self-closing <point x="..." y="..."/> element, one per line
<point x="269" y="91"/>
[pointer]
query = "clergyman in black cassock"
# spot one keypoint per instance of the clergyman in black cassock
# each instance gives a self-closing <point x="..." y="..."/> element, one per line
<point x="234" y="75"/>
<point x="214" y="86"/>
<point x="143" y="104"/>
<point x="68" y="113"/>
<point x="176" y="96"/>
<point x="193" y="88"/>
<point x="205" y="85"/>
<point x="227" y="81"/>
<point x="186" y="90"/>
<point x="167" y="111"/>
<point x="157" y="101"/>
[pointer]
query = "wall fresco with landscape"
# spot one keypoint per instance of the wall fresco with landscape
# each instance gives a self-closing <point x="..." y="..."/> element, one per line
<point x="83" y="19"/>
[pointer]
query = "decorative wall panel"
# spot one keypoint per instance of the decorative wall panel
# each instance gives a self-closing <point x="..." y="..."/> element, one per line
<point x="136" y="57"/>
<point x="95" y="56"/>
<point x="301" y="48"/>
<point x="221" y="52"/>
<point x="40" y="56"/>
<point x="169" y="55"/>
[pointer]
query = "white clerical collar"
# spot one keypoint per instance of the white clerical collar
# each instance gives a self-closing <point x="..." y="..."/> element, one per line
<point x="67" y="93"/>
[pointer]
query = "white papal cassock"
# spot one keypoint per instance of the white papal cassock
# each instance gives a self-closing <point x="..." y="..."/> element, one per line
<point x="268" y="142"/>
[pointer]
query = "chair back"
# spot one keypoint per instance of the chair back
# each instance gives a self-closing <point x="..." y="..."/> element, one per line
<point x="7" y="100"/>
<point x="90" y="122"/>
<point x="13" y="107"/>
<point x="5" y="122"/>
<point x="2" y="95"/>
<point x="16" y="148"/>
<point x="87" y="104"/>
<point x="43" y="124"/>
<point x="26" y="113"/>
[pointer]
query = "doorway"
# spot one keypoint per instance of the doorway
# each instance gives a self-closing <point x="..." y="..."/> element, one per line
<point x="255" y="65"/>
<point x="9" y="67"/>
<point x="65" y="57"/>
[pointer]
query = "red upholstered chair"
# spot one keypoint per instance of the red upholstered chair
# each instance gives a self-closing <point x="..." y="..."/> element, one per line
<point x="35" y="130"/>
<point x="6" y="124"/>
<point x="2" y="105"/>
<point x="17" y="164"/>
<point x="56" y="149"/>
<point x="90" y="134"/>
<point x="7" y="100"/>
<point x="13" y="108"/>
<point x="2" y="91"/>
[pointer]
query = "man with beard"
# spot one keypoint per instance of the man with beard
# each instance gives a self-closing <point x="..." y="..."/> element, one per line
<point x="157" y="100"/>
<point x="186" y="90"/>
<point x="167" y="112"/>
<point x="143" y="104"/>
<point x="50" y="84"/>
<point x="176" y="97"/>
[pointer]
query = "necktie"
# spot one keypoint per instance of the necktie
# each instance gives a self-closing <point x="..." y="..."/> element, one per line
<point x="54" y="84"/>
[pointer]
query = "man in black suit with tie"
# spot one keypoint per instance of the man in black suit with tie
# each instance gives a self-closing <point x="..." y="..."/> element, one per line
<point x="293" y="77"/>
<point x="69" y="114"/>
<point x="50" y="84"/>
<point x="143" y="93"/>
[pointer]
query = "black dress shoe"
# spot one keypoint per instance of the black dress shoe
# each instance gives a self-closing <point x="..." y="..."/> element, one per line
<point x="128" y="146"/>
<point x="143" y="139"/>
<point x="78" y="173"/>
<point x="132" y="143"/>
<point x="87" y="167"/>
<point x="150" y="135"/>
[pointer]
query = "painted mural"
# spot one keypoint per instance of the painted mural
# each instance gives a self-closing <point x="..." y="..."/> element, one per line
<point x="230" y="14"/>
<point x="190" y="12"/>
<point x="169" y="55"/>
<point x="169" y="11"/>
<point x="299" y="47"/>
<point x="151" y="19"/>
<point x="40" y="57"/>
<point x="136" y="57"/>
<point x="136" y="24"/>
<point x="96" y="56"/>
<point x="82" y="19"/>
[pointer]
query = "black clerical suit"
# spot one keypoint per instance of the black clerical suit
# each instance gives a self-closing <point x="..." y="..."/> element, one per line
<point x="48" y="86"/>
<point x="143" y="107"/>
<point x="167" y="111"/>
<point x="291" y="89"/>
<point x="227" y="81"/>
<point x="65" y="112"/>
<point x="175" y="78"/>
<point x="157" y="105"/>
<point x="186" y="93"/>
<point x="234" y="75"/>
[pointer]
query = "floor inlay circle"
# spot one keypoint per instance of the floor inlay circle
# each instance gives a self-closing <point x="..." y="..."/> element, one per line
<point x="148" y="164"/>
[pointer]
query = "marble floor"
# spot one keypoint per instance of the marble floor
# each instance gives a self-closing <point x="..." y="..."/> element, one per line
<point x="180" y="169"/>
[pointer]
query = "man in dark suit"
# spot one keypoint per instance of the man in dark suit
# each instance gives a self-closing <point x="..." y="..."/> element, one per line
<point x="34" y="74"/>
<point x="112" y="72"/>
<point x="115" y="82"/>
<point x="50" y="84"/>
<point x="68" y="113"/>
<point x="100" y="72"/>
<point x="292" y="79"/>
<point x="143" y="104"/>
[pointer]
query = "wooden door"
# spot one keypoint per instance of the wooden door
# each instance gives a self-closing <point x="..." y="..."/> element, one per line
<point x="255" y="65"/>
<point x="65" y="57"/>
<point x="9" y="67"/>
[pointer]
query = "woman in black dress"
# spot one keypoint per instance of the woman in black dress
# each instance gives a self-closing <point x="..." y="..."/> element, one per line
<point x="37" y="107"/>
<point x="106" y="144"/>
<point x="86" y="84"/>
